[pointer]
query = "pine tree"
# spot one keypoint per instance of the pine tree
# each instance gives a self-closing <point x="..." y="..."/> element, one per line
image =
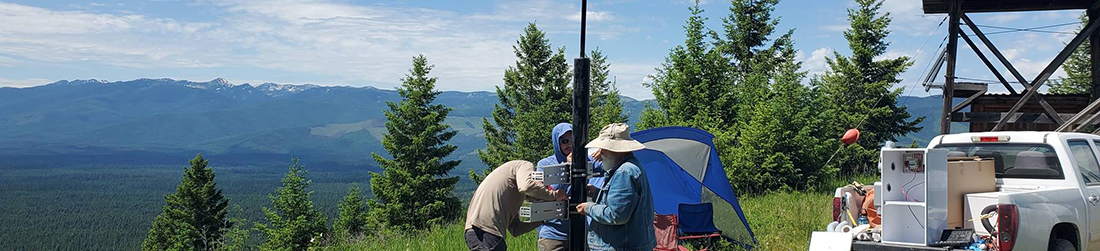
<point x="605" y="103"/>
<point x="1078" y="75"/>
<point x="293" y="223"/>
<point x="194" y="217"/>
<point x="352" y="219"/>
<point x="855" y="90"/>
<point x="692" y="72"/>
<point x="535" y="97"/>
<point x="414" y="190"/>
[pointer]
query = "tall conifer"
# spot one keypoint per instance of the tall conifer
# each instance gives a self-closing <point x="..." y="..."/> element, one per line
<point x="855" y="90"/>
<point x="195" y="216"/>
<point x="605" y="104"/>
<point x="536" y="96"/>
<point x="352" y="218"/>
<point x="414" y="190"/>
<point x="293" y="222"/>
<point x="1078" y="74"/>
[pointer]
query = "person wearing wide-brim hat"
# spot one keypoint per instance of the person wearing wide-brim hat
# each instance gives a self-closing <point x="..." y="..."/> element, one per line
<point x="622" y="214"/>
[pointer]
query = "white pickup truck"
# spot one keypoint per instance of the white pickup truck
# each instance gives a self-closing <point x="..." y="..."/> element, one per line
<point x="1048" y="188"/>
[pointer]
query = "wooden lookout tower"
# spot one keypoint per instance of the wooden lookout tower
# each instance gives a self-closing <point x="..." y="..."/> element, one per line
<point x="1022" y="108"/>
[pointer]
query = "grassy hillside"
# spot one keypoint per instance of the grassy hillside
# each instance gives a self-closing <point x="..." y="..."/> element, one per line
<point x="780" y="221"/>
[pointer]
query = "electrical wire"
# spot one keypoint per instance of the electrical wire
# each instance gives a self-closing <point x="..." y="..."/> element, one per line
<point x="906" y="191"/>
<point x="1038" y="29"/>
<point x="990" y="81"/>
<point x="1035" y="31"/>
<point x="1032" y="28"/>
<point x="911" y="188"/>
<point x="915" y="216"/>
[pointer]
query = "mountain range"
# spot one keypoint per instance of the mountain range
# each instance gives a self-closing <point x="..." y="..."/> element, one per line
<point x="167" y="121"/>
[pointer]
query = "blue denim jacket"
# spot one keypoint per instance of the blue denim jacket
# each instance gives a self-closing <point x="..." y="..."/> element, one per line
<point x="622" y="217"/>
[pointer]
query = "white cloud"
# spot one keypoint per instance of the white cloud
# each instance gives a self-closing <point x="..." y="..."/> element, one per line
<point x="815" y="63"/>
<point x="629" y="77"/>
<point x="691" y="2"/>
<point x="23" y="83"/>
<point x="338" y="41"/>
<point x="592" y="16"/>
<point x="836" y="27"/>
<point x="1001" y="18"/>
<point x="892" y="54"/>
<point x="909" y="18"/>
<point x="1058" y="15"/>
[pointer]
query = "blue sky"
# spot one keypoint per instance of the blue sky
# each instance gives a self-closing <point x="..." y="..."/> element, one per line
<point x="359" y="43"/>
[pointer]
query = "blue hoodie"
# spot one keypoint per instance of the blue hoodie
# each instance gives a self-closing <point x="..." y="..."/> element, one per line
<point x="559" y="229"/>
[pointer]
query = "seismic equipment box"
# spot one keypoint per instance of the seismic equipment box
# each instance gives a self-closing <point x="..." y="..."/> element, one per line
<point x="914" y="195"/>
<point x="536" y="211"/>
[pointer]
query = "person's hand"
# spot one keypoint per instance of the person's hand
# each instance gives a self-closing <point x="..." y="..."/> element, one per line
<point x="582" y="207"/>
<point x="592" y="190"/>
<point x="596" y="155"/>
<point x="559" y="195"/>
<point x="569" y="158"/>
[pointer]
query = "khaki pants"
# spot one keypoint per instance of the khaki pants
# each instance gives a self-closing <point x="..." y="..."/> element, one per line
<point x="553" y="245"/>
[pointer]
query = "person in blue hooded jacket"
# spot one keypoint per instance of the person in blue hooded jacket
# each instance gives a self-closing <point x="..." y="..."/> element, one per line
<point x="622" y="215"/>
<point x="553" y="234"/>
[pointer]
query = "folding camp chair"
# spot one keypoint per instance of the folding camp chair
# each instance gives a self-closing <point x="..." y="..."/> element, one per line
<point x="664" y="227"/>
<point x="696" y="221"/>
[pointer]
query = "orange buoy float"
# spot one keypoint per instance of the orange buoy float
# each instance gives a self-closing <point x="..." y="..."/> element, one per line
<point x="850" y="137"/>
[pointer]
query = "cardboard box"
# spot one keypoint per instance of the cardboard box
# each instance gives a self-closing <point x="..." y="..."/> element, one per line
<point x="966" y="176"/>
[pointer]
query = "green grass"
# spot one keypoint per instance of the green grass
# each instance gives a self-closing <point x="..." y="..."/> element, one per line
<point x="447" y="237"/>
<point x="780" y="221"/>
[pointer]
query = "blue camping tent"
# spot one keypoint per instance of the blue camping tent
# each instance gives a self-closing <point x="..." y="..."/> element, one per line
<point x="683" y="168"/>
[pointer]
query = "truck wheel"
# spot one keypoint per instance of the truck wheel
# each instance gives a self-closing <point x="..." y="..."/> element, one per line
<point x="1059" y="244"/>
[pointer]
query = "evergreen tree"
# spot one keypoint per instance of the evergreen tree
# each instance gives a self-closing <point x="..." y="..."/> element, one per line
<point x="605" y="103"/>
<point x="776" y="149"/>
<point x="414" y="190"/>
<point x="352" y="219"/>
<point x="692" y="72"/>
<point x="236" y="238"/>
<point x="293" y="223"/>
<point x="535" y="97"/>
<point x="746" y="35"/>
<point x="745" y="46"/>
<point x="756" y="107"/>
<point x="194" y="217"/>
<point x="1078" y="75"/>
<point x="855" y="90"/>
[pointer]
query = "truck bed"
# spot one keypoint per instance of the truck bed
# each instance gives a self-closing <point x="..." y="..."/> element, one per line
<point x="876" y="246"/>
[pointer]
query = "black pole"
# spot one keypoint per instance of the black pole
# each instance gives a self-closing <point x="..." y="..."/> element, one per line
<point x="579" y="182"/>
<point x="952" y="51"/>
<point x="578" y="240"/>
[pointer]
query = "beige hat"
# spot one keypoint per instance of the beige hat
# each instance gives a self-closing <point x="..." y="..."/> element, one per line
<point x="616" y="138"/>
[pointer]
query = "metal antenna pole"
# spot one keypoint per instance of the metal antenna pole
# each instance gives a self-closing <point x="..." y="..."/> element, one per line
<point x="584" y="20"/>
<point x="578" y="240"/>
